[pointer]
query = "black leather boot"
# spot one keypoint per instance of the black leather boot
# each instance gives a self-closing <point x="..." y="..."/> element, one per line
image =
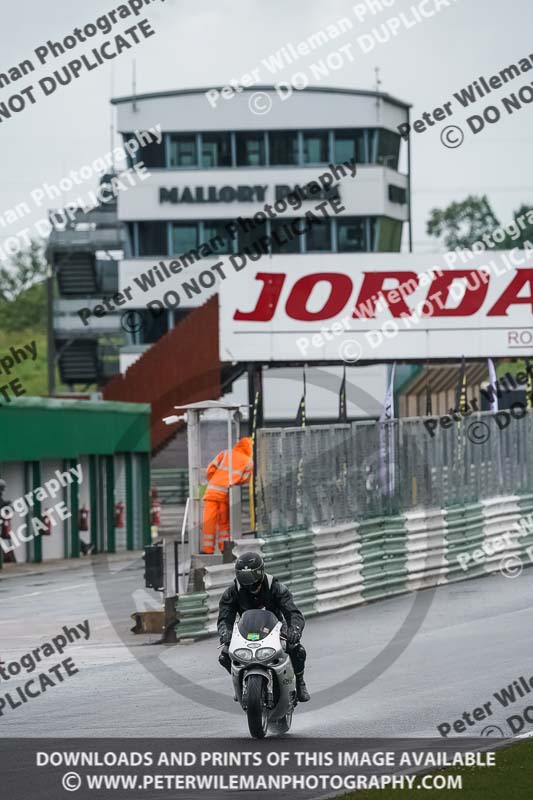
<point x="301" y="689"/>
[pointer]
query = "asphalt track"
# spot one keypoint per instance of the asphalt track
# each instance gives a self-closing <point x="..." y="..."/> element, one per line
<point x="474" y="638"/>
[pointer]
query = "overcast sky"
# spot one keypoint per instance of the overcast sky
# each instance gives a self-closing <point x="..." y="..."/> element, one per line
<point x="207" y="42"/>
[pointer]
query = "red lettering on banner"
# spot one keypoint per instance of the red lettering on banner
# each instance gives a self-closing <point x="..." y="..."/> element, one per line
<point x="268" y="299"/>
<point x="510" y="296"/>
<point x="341" y="288"/>
<point x="372" y="286"/>
<point x="340" y="291"/>
<point x="473" y="297"/>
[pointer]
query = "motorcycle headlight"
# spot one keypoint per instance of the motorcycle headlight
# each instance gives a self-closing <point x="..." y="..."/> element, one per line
<point x="243" y="655"/>
<point x="265" y="652"/>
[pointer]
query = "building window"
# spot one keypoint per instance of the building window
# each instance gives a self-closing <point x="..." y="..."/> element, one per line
<point x="151" y="154"/>
<point x="217" y="228"/>
<point x="249" y="237"/>
<point x="250" y="149"/>
<point x="183" y="152"/>
<point x="388" y="149"/>
<point x="389" y="235"/>
<point x="351" y="237"/>
<point x="129" y="250"/>
<point x="152" y="238"/>
<point x="397" y="194"/>
<point x="285" y="240"/>
<point x="315" y="147"/>
<point x="154" y="325"/>
<point x="283" y="146"/>
<point x="184" y="237"/>
<point x="348" y="145"/>
<point x="216" y="150"/>
<point x="318" y="238"/>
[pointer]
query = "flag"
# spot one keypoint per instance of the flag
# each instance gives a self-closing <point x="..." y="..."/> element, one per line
<point x="388" y="405"/>
<point x="343" y="415"/>
<point x="529" y="385"/>
<point x="300" y="416"/>
<point x="461" y="404"/>
<point x="429" y="405"/>
<point x="257" y="401"/>
<point x="386" y="440"/>
<point x="494" y="385"/>
<point x="461" y="400"/>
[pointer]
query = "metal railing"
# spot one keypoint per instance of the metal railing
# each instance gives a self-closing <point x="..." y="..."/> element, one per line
<point x="324" y="475"/>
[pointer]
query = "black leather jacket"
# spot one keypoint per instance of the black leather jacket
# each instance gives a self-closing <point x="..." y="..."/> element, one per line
<point x="273" y="595"/>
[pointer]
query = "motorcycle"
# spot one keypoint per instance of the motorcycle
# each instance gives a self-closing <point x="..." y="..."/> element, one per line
<point x="262" y="673"/>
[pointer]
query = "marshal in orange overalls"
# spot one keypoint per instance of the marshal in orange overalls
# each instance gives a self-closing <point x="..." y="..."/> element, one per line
<point x="216" y="498"/>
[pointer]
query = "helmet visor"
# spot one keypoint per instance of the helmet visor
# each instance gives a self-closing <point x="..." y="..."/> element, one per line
<point x="250" y="577"/>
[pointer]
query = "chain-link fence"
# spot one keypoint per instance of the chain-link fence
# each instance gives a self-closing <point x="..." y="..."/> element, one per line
<point x="323" y="475"/>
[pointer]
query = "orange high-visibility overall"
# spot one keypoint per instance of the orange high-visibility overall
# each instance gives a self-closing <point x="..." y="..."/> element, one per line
<point x="216" y="498"/>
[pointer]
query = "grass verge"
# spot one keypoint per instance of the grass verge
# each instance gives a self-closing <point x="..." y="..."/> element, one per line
<point x="510" y="779"/>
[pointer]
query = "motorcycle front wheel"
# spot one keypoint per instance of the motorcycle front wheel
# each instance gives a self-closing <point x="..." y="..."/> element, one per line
<point x="256" y="707"/>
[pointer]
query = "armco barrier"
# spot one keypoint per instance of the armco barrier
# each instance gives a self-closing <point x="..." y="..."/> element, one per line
<point x="426" y="548"/>
<point x="525" y="503"/>
<point x="464" y="534"/>
<point x="338" y="567"/>
<point x="500" y="515"/>
<point x="330" y="568"/>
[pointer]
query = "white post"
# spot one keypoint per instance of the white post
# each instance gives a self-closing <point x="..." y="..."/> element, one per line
<point x="235" y="491"/>
<point x="193" y="448"/>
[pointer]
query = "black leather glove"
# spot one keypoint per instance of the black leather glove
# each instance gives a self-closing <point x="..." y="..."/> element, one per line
<point x="224" y="659"/>
<point x="225" y="637"/>
<point x="294" y="634"/>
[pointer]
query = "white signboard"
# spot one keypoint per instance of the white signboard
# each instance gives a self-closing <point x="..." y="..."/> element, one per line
<point x="372" y="307"/>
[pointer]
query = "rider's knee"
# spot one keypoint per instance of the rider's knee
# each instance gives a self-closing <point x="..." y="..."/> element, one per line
<point x="298" y="656"/>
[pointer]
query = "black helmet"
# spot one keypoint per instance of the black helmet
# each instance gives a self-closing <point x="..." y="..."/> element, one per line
<point x="250" y="571"/>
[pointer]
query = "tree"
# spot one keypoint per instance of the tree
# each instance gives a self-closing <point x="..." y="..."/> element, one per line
<point x="462" y="224"/>
<point x="22" y="289"/>
<point x="523" y="232"/>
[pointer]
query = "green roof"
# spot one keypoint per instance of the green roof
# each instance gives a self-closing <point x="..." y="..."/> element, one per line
<point x="36" y="428"/>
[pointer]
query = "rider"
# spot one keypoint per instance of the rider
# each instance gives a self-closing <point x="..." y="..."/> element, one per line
<point x="254" y="588"/>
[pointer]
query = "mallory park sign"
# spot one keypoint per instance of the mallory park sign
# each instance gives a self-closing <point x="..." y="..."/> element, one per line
<point x="240" y="194"/>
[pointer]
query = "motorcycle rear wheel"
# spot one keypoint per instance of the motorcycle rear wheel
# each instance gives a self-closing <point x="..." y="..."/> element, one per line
<point x="256" y="709"/>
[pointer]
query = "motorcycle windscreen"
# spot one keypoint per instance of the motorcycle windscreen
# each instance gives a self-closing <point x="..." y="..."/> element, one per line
<point x="254" y="625"/>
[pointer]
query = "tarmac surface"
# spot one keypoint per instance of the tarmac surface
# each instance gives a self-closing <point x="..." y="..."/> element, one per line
<point x="394" y="668"/>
